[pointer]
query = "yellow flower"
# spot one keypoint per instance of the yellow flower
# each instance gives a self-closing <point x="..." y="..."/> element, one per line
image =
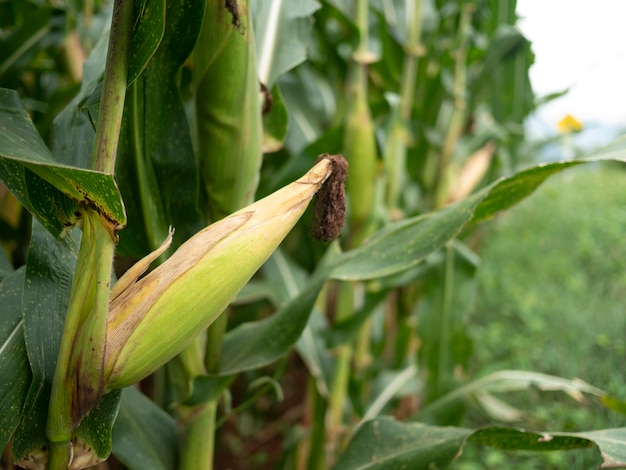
<point x="569" y="124"/>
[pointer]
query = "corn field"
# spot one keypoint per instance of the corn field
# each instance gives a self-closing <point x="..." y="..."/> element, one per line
<point x="243" y="234"/>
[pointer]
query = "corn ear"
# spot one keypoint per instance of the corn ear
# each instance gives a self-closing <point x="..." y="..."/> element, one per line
<point x="153" y="319"/>
<point x="227" y="108"/>
<point x="360" y="150"/>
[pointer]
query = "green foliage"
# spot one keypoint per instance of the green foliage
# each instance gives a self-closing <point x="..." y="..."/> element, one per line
<point x="15" y="367"/>
<point x="144" y="434"/>
<point x="156" y="167"/>
<point x="31" y="173"/>
<point x="44" y="304"/>
<point x="385" y="443"/>
<point x="586" y="284"/>
<point x="213" y="103"/>
<point x="518" y="294"/>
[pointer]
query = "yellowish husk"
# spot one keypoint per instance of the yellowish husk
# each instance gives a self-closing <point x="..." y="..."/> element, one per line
<point x="152" y="320"/>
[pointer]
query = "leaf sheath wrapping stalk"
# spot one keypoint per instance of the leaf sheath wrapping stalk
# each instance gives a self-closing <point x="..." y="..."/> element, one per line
<point x="77" y="383"/>
<point x="153" y="319"/>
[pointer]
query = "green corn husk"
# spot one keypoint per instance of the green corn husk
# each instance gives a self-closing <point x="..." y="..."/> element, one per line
<point x="228" y="109"/>
<point x="360" y="150"/>
<point x="153" y="319"/>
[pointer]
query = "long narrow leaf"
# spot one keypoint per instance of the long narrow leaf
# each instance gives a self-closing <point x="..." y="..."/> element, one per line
<point x="509" y="381"/>
<point x="14" y="367"/>
<point x="144" y="435"/>
<point x="147" y="34"/>
<point x="282" y="29"/>
<point x="156" y="168"/>
<point x="385" y="443"/>
<point x="23" y="150"/>
<point x="48" y="279"/>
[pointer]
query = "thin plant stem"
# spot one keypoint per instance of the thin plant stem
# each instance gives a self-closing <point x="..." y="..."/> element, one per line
<point x="198" y="451"/>
<point x="413" y="49"/>
<point x="215" y="338"/>
<point x="363" y="26"/>
<point x="446" y="312"/>
<point x="459" y="105"/>
<point x="311" y="451"/>
<point x="113" y="88"/>
<point x="200" y="423"/>
<point x="397" y="141"/>
<point x="339" y="384"/>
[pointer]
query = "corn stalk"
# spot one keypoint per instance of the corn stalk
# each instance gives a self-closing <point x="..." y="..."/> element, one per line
<point x="77" y="384"/>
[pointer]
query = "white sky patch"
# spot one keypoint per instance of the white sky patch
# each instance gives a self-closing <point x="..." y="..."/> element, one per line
<point x="582" y="45"/>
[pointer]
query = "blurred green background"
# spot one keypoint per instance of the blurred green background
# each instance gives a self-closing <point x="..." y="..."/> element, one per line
<point x="560" y="312"/>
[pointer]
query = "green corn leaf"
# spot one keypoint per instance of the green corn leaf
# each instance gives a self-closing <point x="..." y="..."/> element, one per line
<point x="6" y="268"/>
<point x="29" y="171"/>
<point x="144" y="436"/>
<point x="402" y="245"/>
<point x="281" y="30"/>
<point x="16" y="44"/>
<point x="48" y="279"/>
<point x="73" y="137"/>
<point x="285" y="278"/>
<point x="147" y="34"/>
<point x="385" y="443"/>
<point x="14" y="367"/>
<point x="287" y="281"/>
<point x="96" y="429"/>
<point x="509" y="381"/>
<point x="612" y="444"/>
<point x="156" y="167"/>
<point x="517" y="439"/>
<point x="74" y="128"/>
<point x="510" y="191"/>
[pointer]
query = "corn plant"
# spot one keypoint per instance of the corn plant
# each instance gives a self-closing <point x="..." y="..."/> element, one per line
<point x="180" y="159"/>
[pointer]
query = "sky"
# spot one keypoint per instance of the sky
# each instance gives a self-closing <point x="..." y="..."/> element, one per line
<point x="581" y="45"/>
